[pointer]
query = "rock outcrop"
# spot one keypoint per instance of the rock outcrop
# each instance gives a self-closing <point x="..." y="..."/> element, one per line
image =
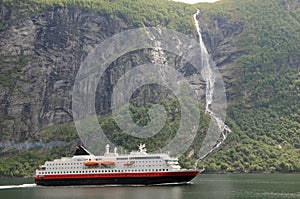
<point x="40" y="55"/>
<point x="220" y="37"/>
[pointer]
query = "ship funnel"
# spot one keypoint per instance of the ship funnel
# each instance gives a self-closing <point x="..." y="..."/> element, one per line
<point x="107" y="148"/>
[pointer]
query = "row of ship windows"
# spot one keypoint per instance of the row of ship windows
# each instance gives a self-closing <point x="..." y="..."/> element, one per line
<point x="153" y="157"/>
<point x="102" y="171"/>
<point x="135" y="158"/>
<point x="63" y="164"/>
<point x="55" y="164"/>
<point x="58" y="168"/>
<point x="145" y="161"/>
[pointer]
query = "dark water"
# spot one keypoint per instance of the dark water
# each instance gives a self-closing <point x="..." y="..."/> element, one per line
<point x="265" y="186"/>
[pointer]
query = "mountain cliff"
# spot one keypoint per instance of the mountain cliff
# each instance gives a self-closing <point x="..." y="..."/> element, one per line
<point x="255" y="45"/>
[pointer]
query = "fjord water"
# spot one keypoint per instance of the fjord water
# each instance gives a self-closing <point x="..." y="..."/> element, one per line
<point x="211" y="186"/>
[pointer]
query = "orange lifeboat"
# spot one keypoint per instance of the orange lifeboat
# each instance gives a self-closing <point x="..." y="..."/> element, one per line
<point x="108" y="162"/>
<point x="129" y="163"/>
<point x="90" y="163"/>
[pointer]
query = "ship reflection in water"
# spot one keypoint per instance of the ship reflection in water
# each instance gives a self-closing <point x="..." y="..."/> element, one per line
<point x="112" y="192"/>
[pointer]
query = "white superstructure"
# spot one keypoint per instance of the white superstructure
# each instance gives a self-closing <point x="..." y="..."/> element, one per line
<point x="111" y="162"/>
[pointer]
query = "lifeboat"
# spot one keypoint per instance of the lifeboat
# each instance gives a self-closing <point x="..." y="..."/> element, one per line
<point x="108" y="162"/>
<point x="129" y="163"/>
<point x="90" y="163"/>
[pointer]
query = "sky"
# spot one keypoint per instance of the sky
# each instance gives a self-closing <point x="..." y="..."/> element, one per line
<point x="196" y="1"/>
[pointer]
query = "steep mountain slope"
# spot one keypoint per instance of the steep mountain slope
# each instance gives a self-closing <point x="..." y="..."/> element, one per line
<point x="265" y="81"/>
<point x="255" y="45"/>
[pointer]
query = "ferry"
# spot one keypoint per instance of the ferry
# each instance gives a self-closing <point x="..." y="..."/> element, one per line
<point x="136" y="168"/>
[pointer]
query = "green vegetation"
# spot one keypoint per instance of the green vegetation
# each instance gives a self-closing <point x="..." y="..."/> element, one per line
<point x="19" y="163"/>
<point x="266" y="105"/>
<point x="11" y="70"/>
<point x="136" y="13"/>
<point x="24" y="163"/>
<point x="140" y="116"/>
<point x="62" y="132"/>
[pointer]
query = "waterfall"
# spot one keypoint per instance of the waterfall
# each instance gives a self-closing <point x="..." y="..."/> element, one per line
<point x="210" y="79"/>
<point x="207" y="72"/>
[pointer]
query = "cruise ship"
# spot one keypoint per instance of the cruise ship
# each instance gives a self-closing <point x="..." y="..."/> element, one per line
<point x="136" y="168"/>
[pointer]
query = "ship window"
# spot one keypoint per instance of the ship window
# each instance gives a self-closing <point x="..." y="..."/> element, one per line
<point x="122" y="158"/>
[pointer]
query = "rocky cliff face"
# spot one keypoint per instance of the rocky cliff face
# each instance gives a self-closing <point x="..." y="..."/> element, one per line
<point x="41" y="53"/>
<point x="220" y="37"/>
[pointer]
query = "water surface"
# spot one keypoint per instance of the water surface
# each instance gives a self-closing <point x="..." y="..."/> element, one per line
<point x="210" y="186"/>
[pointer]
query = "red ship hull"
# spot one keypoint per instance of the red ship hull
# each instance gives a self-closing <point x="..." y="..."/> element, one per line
<point x="117" y="178"/>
